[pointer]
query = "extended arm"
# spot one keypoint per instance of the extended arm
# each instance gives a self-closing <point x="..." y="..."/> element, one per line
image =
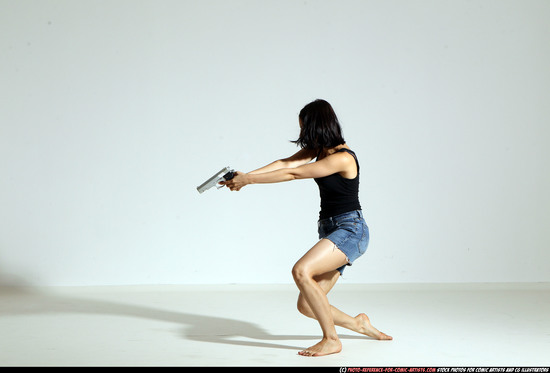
<point x="339" y="162"/>
<point x="300" y="158"/>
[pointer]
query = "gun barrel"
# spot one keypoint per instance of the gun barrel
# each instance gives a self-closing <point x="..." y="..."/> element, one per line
<point x="213" y="180"/>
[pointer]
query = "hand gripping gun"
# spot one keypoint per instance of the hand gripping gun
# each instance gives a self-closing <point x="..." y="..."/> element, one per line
<point x="224" y="175"/>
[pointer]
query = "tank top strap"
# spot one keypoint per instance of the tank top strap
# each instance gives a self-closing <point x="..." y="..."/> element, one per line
<point x="353" y="155"/>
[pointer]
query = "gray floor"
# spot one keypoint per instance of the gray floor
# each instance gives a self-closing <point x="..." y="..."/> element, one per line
<point x="246" y="325"/>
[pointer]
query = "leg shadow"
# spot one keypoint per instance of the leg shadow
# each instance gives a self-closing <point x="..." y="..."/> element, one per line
<point x="201" y="328"/>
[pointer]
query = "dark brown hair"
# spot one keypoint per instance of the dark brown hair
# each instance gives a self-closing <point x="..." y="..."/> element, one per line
<point x="320" y="126"/>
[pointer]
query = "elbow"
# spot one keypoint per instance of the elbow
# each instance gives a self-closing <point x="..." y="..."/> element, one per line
<point x="293" y="174"/>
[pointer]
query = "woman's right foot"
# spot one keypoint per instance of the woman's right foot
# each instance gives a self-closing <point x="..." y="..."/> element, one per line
<point x="325" y="347"/>
<point x="366" y="328"/>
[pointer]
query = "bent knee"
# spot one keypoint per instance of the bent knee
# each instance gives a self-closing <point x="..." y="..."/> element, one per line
<point x="300" y="272"/>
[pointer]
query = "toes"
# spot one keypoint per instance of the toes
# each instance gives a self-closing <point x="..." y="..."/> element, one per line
<point x="308" y="352"/>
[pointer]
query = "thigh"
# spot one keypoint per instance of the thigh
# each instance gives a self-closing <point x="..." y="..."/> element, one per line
<point x="322" y="258"/>
<point x="327" y="280"/>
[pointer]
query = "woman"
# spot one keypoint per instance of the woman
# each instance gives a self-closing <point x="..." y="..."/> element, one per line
<point x="343" y="232"/>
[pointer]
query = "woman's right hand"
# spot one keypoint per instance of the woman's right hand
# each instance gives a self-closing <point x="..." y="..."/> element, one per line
<point x="237" y="182"/>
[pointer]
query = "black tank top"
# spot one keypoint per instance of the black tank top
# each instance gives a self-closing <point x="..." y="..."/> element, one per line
<point x="338" y="194"/>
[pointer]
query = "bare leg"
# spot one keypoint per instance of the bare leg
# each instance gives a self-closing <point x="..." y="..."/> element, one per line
<point x="359" y="324"/>
<point x="327" y="281"/>
<point x="320" y="259"/>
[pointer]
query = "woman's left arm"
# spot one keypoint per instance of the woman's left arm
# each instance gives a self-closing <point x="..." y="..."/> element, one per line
<point x="327" y="166"/>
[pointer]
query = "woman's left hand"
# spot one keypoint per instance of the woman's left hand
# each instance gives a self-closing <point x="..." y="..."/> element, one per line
<point x="239" y="180"/>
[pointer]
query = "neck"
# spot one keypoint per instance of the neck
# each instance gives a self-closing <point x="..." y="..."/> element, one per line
<point x="329" y="151"/>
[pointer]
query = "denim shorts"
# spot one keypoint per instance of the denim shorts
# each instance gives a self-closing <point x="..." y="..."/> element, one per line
<point x="349" y="232"/>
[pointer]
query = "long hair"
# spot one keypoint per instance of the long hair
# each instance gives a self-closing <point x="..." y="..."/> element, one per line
<point x="320" y="127"/>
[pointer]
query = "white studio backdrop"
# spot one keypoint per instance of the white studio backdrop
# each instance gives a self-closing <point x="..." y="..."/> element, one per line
<point x="112" y="112"/>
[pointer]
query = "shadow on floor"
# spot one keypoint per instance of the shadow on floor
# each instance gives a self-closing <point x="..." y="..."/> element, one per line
<point x="20" y="301"/>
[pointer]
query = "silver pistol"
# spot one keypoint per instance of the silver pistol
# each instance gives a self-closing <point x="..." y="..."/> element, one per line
<point x="224" y="175"/>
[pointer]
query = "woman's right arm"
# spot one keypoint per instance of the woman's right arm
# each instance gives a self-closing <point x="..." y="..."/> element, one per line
<point x="300" y="158"/>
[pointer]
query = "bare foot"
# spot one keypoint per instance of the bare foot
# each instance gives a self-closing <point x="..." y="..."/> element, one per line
<point x="366" y="328"/>
<point x="325" y="347"/>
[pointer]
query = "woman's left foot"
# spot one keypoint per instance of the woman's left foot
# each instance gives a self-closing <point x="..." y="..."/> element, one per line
<point x="325" y="347"/>
<point x="366" y="328"/>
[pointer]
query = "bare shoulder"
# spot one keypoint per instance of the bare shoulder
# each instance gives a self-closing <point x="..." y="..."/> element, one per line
<point x="343" y="153"/>
<point x="346" y="162"/>
<point x="343" y="157"/>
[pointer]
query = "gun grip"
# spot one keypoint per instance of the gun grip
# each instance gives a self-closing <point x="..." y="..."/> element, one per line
<point x="228" y="176"/>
